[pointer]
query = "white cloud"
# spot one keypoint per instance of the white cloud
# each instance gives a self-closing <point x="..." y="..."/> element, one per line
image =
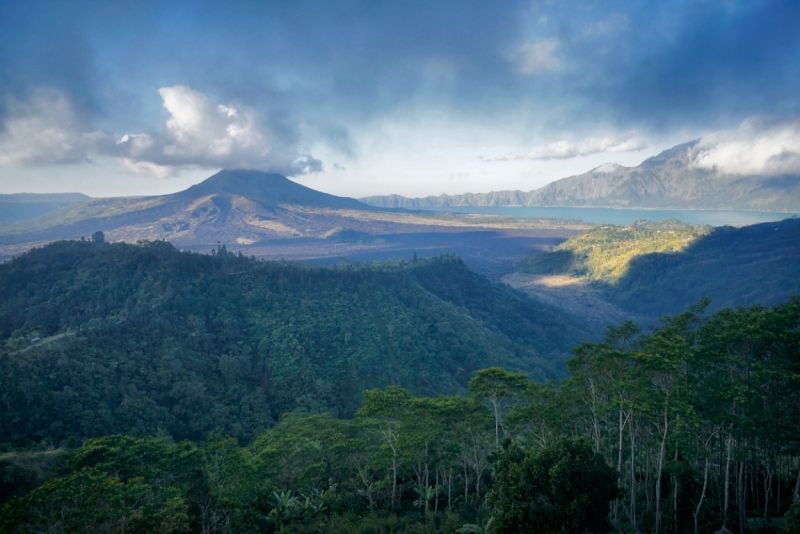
<point x="533" y="57"/>
<point x="606" y="168"/>
<point x="760" y="146"/>
<point x="566" y="149"/>
<point x="201" y="131"/>
<point x="46" y="130"/>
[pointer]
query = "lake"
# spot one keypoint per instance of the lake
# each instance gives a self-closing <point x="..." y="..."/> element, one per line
<point x="624" y="217"/>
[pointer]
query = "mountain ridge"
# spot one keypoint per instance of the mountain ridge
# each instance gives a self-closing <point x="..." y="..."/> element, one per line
<point x="269" y="216"/>
<point x="669" y="180"/>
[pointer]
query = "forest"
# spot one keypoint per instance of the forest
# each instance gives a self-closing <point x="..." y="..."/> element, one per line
<point x="145" y="339"/>
<point x="653" y="268"/>
<point x="684" y="427"/>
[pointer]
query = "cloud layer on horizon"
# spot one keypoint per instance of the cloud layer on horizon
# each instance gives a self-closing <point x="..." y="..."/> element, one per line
<point x="564" y="149"/>
<point x="767" y="146"/>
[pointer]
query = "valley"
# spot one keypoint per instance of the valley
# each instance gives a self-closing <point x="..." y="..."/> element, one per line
<point x="193" y="362"/>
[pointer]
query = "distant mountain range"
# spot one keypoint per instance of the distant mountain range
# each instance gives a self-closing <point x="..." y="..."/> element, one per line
<point x="22" y="206"/>
<point x="669" y="180"/>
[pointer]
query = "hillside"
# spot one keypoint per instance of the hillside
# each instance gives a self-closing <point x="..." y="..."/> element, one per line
<point x="22" y="206"/>
<point x="669" y="180"/>
<point x="230" y="200"/>
<point x="654" y="268"/>
<point x="143" y="339"/>
<point x="271" y="217"/>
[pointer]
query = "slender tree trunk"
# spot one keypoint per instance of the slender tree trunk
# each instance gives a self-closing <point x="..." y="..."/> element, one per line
<point x="796" y="496"/>
<point x="661" y="453"/>
<point x="727" y="485"/>
<point x="449" y="491"/>
<point x="648" y="472"/>
<point x="496" y="424"/>
<point x="436" y="504"/>
<point x="394" y="480"/>
<point x="633" y="477"/>
<point x="702" y="498"/>
<point x="742" y="492"/>
<point x="619" y="469"/>
<point x="767" y="488"/>
<point x="466" y="484"/>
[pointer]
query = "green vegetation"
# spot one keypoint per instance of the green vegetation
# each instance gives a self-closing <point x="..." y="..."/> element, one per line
<point x="571" y="486"/>
<point x="340" y="234"/>
<point x="652" y="268"/>
<point x="693" y="425"/>
<point x="732" y="266"/>
<point x="146" y="340"/>
<point x="604" y="253"/>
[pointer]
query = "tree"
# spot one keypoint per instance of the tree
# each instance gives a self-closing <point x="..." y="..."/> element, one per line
<point x="98" y="238"/>
<point x="389" y="408"/>
<point x="564" y="488"/>
<point x="496" y="386"/>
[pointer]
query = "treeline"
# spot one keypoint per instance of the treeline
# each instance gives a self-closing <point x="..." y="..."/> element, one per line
<point x="146" y="340"/>
<point x="685" y="428"/>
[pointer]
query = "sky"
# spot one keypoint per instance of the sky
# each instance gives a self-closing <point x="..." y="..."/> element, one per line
<point x="357" y="98"/>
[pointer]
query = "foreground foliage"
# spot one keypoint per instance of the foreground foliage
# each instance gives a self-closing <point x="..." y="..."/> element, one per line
<point x="686" y="428"/>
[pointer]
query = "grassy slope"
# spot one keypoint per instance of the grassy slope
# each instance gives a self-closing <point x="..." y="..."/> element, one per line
<point x="183" y="343"/>
<point x="655" y="268"/>
<point x="604" y="253"/>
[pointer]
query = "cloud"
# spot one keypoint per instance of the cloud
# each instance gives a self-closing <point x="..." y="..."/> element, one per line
<point x="567" y="149"/>
<point x="766" y="146"/>
<point x="204" y="133"/>
<point x="47" y="130"/>
<point x="534" y="57"/>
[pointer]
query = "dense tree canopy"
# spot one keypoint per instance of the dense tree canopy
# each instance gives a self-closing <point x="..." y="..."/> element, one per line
<point x="685" y="427"/>
<point x="144" y="339"/>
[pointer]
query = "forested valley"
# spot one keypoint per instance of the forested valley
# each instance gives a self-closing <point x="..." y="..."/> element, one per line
<point x="176" y="392"/>
<point x="653" y="268"/>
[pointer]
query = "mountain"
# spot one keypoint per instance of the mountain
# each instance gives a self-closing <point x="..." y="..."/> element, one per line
<point x="233" y="200"/>
<point x="22" y="206"/>
<point x="269" y="190"/>
<point x="144" y="339"/>
<point x="269" y="216"/>
<point x="654" y="268"/>
<point x="669" y="180"/>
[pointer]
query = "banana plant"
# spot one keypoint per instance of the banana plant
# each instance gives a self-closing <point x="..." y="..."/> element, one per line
<point x="286" y="509"/>
<point x="425" y="498"/>
<point x="485" y="528"/>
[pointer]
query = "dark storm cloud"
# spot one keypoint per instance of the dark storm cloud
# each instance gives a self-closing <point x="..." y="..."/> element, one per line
<point x="39" y="50"/>
<point x="690" y="63"/>
<point x="328" y="66"/>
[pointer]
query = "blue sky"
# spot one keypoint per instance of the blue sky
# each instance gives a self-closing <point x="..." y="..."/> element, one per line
<point x="368" y="97"/>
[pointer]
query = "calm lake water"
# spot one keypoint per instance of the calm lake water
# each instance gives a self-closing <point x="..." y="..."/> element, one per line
<point x="623" y="217"/>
